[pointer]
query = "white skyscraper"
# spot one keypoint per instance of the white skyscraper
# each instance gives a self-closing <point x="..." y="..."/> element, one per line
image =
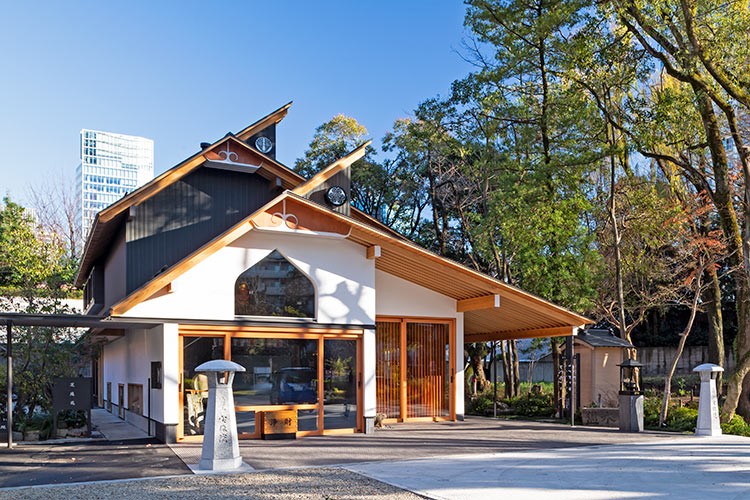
<point x="112" y="165"/>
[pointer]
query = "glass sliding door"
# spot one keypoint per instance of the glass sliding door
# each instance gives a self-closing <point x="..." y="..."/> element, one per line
<point x="427" y="369"/>
<point x="388" y="368"/>
<point x="340" y="384"/>
<point x="414" y="375"/>
<point x="194" y="387"/>
<point x="278" y="372"/>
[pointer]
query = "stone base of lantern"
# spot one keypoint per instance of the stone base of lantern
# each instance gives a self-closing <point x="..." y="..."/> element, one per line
<point x="221" y="464"/>
<point x="631" y="413"/>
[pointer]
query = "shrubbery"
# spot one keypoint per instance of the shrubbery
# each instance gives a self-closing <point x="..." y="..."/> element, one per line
<point x="684" y="419"/>
<point x="527" y="404"/>
<point x="532" y="405"/>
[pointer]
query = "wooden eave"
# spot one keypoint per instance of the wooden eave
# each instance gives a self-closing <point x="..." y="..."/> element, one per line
<point x="331" y="170"/>
<point x="268" y="120"/>
<point x="100" y="234"/>
<point x="519" y="311"/>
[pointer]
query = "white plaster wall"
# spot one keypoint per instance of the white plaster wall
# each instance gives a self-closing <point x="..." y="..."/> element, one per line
<point x="128" y="361"/>
<point x="343" y="276"/>
<point x="170" y="397"/>
<point x="398" y="297"/>
<point x="114" y="272"/>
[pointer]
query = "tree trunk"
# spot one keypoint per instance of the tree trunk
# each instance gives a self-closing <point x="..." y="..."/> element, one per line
<point x="508" y="382"/>
<point x="478" y="366"/>
<point x="722" y="199"/>
<point x="516" y="371"/>
<point x="616" y="243"/>
<point x="712" y="304"/>
<point x="678" y="354"/>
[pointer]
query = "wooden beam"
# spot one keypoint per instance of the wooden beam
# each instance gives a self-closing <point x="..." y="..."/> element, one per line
<point x="331" y="170"/>
<point x="266" y="121"/>
<point x="373" y="252"/>
<point x="486" y="302"/>
<point x="558" y="331"/>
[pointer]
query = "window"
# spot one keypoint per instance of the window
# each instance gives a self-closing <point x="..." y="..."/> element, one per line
<point x="274" y="287"/>
<point x="135" y="398"/>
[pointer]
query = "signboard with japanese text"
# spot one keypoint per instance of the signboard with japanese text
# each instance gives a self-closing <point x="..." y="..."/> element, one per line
<point x="72" y="394"/>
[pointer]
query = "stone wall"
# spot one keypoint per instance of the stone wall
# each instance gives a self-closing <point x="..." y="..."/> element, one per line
<point x="657" y="360"/>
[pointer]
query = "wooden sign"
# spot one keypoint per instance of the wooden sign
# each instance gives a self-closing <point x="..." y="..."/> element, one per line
<point x="279" y="424"/>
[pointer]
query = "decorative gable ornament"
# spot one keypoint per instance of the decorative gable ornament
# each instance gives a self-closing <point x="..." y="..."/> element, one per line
<point x="231" y="158"/>
<point x="304" y="221"/>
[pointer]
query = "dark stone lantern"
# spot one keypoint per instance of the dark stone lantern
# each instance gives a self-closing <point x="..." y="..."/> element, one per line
<point x="631" y="397"/>
<point x="630" y="378"/>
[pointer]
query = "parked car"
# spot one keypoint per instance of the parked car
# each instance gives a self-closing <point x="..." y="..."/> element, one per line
<point x="293" y="385"/>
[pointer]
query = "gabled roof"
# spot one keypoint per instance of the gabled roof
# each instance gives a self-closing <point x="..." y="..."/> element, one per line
<point x="105" y="222"/>
<point x="519" y="313"/>
<point x="270" y="119"/>
<point x="602" y="338"/>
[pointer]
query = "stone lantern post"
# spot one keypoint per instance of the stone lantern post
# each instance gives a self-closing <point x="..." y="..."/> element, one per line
<point x="631" y="397"/>
<point x="221" y="451"/>
<point x="708" y="404"/>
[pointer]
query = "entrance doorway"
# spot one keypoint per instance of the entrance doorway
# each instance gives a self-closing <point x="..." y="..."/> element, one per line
<point x="316" y="372"/>
<point x="341" y="384"/>
<point x="414" y="368"/>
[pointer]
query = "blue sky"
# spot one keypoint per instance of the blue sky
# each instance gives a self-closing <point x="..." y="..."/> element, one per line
<point x="185" y="72"/>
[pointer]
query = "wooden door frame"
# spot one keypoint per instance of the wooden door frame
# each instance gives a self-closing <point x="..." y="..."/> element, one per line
<point x="228" y="332"/>
<point x="403" y="320"/>
<point x="120" y="402"/>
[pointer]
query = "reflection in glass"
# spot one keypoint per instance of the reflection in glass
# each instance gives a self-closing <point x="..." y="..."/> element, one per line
<point x="274" y="287"/>
<point x="340" y="384"/>
<point x="277" y="371"/>
<point x="307" y="420"/>
<point x="388" y="368"/>
<point x="196" y="351"/>
<point x="245" y="422"/>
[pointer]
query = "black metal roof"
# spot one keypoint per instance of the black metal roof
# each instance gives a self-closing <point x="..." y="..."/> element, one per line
<point x="596" y="337"/>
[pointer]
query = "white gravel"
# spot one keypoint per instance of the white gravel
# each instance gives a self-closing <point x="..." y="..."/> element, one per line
<point x="297" y="484"/>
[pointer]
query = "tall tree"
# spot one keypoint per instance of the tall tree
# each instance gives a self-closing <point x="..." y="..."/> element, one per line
<point x="695" y="41"/>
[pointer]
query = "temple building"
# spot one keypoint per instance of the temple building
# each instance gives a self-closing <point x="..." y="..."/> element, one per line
<point x="232" y="255"/>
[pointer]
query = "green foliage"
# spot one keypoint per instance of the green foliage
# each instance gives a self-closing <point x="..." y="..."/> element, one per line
<point x="480" y="405"/>
<point x="532" y="405"/>
<point x="39" y="273"/>
<point x="332" y="140"/>
<point x="71" y="419"/>
<point x="736" y="426"/>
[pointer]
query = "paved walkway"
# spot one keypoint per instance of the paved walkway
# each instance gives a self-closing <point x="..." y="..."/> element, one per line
<point x="113" y="428"/>
<point x="686" y="468"/>
<point x="418" y="440"/>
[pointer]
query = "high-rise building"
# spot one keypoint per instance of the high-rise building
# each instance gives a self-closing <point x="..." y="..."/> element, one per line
<point x="112" y="165"/>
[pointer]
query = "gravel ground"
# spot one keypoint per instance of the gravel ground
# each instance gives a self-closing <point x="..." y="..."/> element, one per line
<point x="297" y="484"/>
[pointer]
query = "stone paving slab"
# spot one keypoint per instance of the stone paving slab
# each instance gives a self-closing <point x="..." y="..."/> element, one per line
<point x="687" y="468"/>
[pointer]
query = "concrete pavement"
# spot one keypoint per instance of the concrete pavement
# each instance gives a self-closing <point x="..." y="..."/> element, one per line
<point x="418" y="440"/>
<point x="685" y="468"/>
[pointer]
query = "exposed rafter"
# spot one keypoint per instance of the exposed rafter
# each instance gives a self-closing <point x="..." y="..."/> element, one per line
<point x="486" y="302"/>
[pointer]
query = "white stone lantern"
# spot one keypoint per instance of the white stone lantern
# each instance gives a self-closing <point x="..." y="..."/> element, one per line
<point x="708" y="404"/>
<point x="221" y="451"/>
